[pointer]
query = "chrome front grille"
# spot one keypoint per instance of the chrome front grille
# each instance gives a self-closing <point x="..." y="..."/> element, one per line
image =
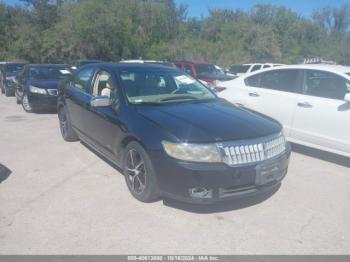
<point x="52" y="92"/>
<point x="252" y="151"/>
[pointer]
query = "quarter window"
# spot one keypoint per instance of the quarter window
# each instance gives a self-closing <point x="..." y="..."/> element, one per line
<point x="239" y="69"/>
<point x="253" y="81"/>
<point x="256" y="68"/>
<point x="281" y="80"/>
<point x="81" y="80"/>
<point x="324" y="84"/>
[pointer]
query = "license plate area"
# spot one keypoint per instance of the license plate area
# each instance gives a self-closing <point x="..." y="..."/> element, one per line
<point x="267" y="173"/>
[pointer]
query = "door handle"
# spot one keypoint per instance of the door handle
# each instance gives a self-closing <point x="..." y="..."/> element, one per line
<point x="254" y="94"/>
<point x="304" y="104"/>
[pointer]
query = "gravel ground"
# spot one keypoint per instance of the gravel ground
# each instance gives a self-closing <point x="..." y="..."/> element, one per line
<point x="61" y="198"/>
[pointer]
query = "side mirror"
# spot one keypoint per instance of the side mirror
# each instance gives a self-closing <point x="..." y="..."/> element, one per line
<point x="347" y="97"/>
<point x="100" y="101"/>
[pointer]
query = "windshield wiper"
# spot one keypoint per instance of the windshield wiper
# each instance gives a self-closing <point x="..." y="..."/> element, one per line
<point x="173" y="98"/>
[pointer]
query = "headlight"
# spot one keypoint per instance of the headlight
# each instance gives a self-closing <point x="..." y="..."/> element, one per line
<point x="193" y="152"/>
<point x="37" y="90"/>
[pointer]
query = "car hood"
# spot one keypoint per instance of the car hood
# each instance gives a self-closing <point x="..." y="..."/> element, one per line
<point x="46" y="84"/>
<point x="209" y="121"/>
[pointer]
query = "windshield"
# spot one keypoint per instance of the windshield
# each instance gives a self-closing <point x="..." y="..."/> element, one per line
<point x="208" y="69"/>
<point x="239" y="69"/>
<point x="49" y="73"/>
<point x="162" y="87"/>
<point x="13" y="68"/>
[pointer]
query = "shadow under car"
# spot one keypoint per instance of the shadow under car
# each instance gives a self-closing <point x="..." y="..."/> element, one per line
<point x="5" y="172"/>
<point x="322" y="155"/>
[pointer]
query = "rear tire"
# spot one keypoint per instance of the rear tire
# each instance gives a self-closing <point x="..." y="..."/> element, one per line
<point x="67" y="131"/>
<point x="139" y="173"/>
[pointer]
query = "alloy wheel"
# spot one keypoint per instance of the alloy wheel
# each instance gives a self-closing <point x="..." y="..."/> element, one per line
<point x="26" y="105"/>
<point x="136" y="172"/>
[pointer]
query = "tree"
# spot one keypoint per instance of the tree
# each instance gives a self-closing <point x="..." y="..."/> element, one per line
<point x="58" y="31"/>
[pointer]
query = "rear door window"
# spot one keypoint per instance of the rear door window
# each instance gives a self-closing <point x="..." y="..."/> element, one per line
<point x="256" y="68"/>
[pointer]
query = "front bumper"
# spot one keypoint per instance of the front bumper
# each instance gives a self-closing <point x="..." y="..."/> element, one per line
<point x="180" y="180"/>
<point x="10" y="88"/>
<point x="40" y="101"/>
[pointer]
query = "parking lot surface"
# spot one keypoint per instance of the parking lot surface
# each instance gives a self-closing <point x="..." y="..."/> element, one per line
<point x="61" y="198"/>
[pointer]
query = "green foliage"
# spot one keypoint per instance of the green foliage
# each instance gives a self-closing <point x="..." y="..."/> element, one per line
<point x="59" y="31"/>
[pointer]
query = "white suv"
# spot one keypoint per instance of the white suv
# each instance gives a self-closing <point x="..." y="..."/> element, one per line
<point x="311" y="101"/>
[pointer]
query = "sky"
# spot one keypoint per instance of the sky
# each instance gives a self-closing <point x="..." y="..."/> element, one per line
<point x="198" y="8"/>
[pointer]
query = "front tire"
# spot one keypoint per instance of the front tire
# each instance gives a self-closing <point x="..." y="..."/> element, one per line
<point x="18" y="101"/>
<point x="67" y="131"/>
<point x="26" y="104"/>
<point x="139" y="173"/>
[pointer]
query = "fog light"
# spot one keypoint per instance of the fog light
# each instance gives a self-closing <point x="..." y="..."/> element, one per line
<point x="201" y="192"/>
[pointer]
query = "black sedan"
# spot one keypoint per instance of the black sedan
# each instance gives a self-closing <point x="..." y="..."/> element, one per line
<point x="170" y="134"/>
<point x="37" y="86"/>
<point x="8" y="79"/>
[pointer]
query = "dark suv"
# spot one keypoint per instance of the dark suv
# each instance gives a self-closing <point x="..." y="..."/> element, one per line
<point x="170" y="134"/>
<point x="8" y="79"/>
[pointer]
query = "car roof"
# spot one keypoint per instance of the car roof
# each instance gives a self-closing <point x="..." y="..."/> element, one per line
<point x="333" y="68"/>
<point x="337" y="69"/>
<point x="259" y="64"/>
<point x="128" y="66"/>
<point x="140" y="61"/>
<point x="47" y="65"/>
<point x="87" y="60"/>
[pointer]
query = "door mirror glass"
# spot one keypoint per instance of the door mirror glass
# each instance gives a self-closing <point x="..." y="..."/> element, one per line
<point x="347" y="97"/>
<point x="100" y="101"/>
